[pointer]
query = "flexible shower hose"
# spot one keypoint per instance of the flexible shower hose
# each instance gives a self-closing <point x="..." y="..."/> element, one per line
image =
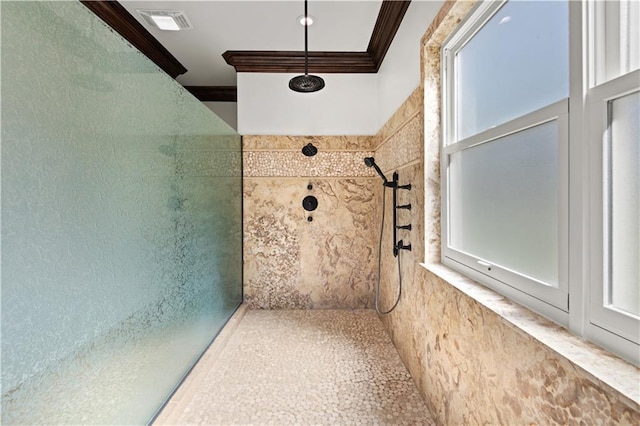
<point x="380" y="263"/>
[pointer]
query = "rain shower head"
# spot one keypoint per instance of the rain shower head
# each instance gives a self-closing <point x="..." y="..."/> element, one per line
<point x="306" y="83"/>
<point x="371" y="162"/>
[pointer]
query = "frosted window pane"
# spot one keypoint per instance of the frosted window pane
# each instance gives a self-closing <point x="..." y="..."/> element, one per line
<point x="503" y="202"/>
<point x="121" y="222"/>
<point x="625" y="204"/>
<point x="517" y="63"/>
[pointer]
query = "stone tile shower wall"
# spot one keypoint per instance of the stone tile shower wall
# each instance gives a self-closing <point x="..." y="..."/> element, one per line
<point x="400" y="150"/>
<point x="293" y="263"/>
<point x="471" y="364"/>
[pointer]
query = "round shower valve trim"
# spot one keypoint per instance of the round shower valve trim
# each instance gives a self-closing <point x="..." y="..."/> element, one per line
<point x="310" y="203"/>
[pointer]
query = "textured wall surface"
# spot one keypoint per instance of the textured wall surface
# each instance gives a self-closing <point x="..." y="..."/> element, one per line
<point x="291" y="262"/>
<point x="121" y="230"/>
<point x="472" y="360"/>
<point x="474" y="367"/>
<point x="400" y="151"/>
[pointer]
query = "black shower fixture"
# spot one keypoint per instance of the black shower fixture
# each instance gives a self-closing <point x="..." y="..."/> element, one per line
<point x="309" y="150"/>
<point x="309" y="203"/>
<point x="371" y="162"/>
<point x="398" y="245"/>
<point x="306" y="83"/>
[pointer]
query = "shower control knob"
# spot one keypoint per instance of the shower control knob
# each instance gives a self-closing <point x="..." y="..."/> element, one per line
<point x="310" y="203"/>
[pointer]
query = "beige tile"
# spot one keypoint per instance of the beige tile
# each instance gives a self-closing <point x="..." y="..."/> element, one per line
<point x="292" y="263"/>
<point x="409" y="108"/>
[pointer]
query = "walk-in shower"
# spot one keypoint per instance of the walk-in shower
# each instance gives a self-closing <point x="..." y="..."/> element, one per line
<point x="121" y="223"/>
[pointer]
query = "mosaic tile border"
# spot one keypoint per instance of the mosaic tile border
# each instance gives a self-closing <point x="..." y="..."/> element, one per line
<point x="295" y="164"/>
<point x="295" y="143"/>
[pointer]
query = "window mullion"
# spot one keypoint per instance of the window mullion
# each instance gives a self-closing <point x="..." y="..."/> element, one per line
<point x="578" y="201"/>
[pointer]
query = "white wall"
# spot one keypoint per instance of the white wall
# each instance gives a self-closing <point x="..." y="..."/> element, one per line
<point x="399" y="74"/>
<point x="228" y="111"/>
<point x="350" y="104"/>
<point x="346" y="106"/>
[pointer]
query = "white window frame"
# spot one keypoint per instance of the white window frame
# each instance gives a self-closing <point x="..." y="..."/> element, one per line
<point x="583" y="238"/>
<point x="551" y="301"/>
<point x="609" y="22"/>
<point x="603" y="324"/>
<point x="606" y="323"/>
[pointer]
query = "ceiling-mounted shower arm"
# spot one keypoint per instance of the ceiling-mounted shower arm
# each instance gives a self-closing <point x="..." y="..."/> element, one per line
<point x="306" y="39"/>
<point x="306" y="83"/>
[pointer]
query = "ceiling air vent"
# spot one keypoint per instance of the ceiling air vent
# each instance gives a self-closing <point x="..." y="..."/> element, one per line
<point x="167" y="20"/>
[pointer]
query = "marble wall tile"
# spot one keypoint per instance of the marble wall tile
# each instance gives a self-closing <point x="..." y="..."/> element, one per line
<point x="293" y="263"/>
<point x="447" y="19"/>
<point x="402" y="147"/>
<point x="480" y="369"/>
<point x="409" y="108"/>
<point x="431" y="64"/>
<point x="323" y="143"/>
<point x="471" y="363"/>
<point x="289" y="261"/>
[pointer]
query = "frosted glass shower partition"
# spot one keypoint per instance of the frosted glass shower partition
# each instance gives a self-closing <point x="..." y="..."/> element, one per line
<point x="121" y="223"/>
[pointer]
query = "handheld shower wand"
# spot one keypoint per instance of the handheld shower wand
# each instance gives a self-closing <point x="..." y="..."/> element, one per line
<point x="371" y="162"/>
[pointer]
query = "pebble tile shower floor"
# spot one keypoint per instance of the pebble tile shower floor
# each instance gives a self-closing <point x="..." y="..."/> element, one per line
<point x="302" y="367"/>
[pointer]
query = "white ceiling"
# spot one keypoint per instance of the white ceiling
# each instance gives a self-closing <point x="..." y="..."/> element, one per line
<point x="256" y="25"/>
